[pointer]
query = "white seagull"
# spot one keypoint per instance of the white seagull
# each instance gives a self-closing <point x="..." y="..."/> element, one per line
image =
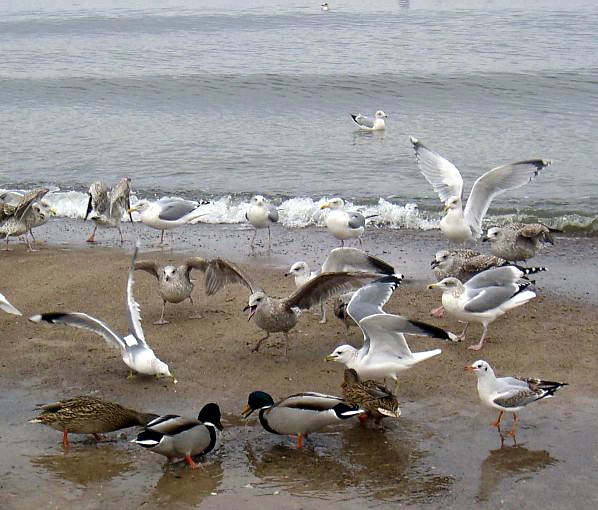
<point x="135" y="351"/>
<point x="261" y="214"/>
<point x="460" y="225"/>
<point x="167" y="213"/>
<point x="509" y="394"/>
<point x="340" y="260"/>
<point x="385" y="352"/>
<point x="367" y="124"/>
<point x="108" y="206"/>
<point x="486" y="296"/>
<point x="343" y="224"/>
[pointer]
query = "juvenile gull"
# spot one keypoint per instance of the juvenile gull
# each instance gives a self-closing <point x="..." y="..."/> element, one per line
<point x="135" y="351"/>
<point x="280" y="315"/>
<point x="486" y="296"/>
<point x="340" y="260"/>
<point x="509" y="394"/>
<point x="42" y="210"/>
<point x="107" y="206"/>
<point x="167" y="213"/>
<point x="367" y="124"/>
<point x="343" y="224"/>
<point x="261" y="214"/>
<point x="518" y="241"/>
<point x="174" y="282"/>
<point x="19" y="217"/>
<point x="385" y="352"/>
<point x="460" y="225"/>
<point x="7" y="307"/>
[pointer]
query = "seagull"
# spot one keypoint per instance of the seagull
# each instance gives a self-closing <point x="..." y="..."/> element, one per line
<point x="325" y="7"/>
<point x="167" y="213"/>
<point x="280" y="315"/>
<point x="261" y="214"/>
<point x="7" y="307"/>
<point x="344" y="224"/>
<point x="367" y="124"/>
<point x="42" y="210"/>
<point x="509" y="394"/>
<point x="385" y="352"/>
<point x="18" y="218"/>
<point x="519" y="241"/>
<point x="176" y="436"/>
<point x="340" y="260"/>
<point x="174" y="282"/>
<point x="135" y="351"/>
<point x="486" y="296"/>
<point x="108" y="206"/>
<point x="460" y="225"/>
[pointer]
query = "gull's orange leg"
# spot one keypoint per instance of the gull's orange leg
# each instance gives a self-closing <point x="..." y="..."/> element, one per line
<point x="65" y="438"/>
<point x="299" y="440"/>
<point x="191" y="462"/>
<point x="497" y="422"/>
<point x="513" y="431"/>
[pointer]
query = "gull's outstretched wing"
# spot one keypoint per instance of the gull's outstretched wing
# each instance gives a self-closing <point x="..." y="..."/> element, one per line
<point x="444" y="177"/>
<point x="133" y="308"/>
<point x="221" y="272"/>
<point x="7" y="307"/>
<point x="149" y="266"/>
<point x="98" y="198"/>
<point x="121" y="196"/>
<point x="497" y="181"/>
<point x="354" y="259"/>
<point x="370" y="298"/>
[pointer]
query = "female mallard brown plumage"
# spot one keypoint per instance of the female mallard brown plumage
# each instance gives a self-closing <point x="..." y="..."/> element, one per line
<point x="88" y="415"/>
<point x="369" y="395"/>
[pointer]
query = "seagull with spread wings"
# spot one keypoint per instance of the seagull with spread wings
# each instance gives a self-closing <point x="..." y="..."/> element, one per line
<point x="18" y="217"/>
<point x="107" y="206"/>
<point x="462" y="225"/>
<point x="135" y="351"/>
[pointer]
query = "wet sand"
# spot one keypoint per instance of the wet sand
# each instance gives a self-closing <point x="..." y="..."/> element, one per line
<point x="440" y="453"/>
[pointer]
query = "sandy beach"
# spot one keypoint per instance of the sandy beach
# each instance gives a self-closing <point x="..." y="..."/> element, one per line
<point x="441" y="452"/>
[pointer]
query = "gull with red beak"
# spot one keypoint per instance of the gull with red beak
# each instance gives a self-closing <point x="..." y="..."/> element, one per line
<point x="509" y="394"/>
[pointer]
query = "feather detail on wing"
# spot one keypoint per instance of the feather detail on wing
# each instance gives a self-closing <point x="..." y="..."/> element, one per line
<point x="149" y="266"/>
<point x="133" y="308"/>
<point x="198" y="263"/>
<point x="353" y="259"/>
<point x="221" y="272"/>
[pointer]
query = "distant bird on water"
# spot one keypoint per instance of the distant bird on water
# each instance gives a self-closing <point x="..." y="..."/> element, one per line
<point x="367" y="124"/>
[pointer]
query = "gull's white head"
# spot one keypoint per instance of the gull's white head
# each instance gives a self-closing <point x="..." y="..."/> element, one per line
<point x="334" y="203"/>
<point x="493" y="234"/>
<point x="381" y="115"/>
<point x="342" y="354"/>
<point x="169" y="272"/>
<point x="255" y="301"/>
<point x="298" y="269"/>
<point x="480" y="367"/>
<point x="161" y="369"/>
<point x="447" y="284"/>
<point x="258" y="200"/>
<point x="141" y="206"/>
<point x="440" y="258"/>
<point x="452" y="203"/>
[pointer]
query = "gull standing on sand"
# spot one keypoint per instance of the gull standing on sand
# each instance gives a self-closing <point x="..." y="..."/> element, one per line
<point x="261" y="214"/>
<point x="167" y="213"/>
<point x="509" y="394"/>
<point x="280" y="315"/>
<point x="7" y="307"/>
<point x="135" y="351"/>
<point x="519" y="241"/>
<point x="460" y="225"/>
<point x="18" y="217"/>
<point x="108" y="206"/>
<point x="174" y="282"/>
<point x="42" y="210"/>
<point x="343" y="224"/>
<point x="385" y="352"/>
<point x="486" y="296"/>
<point x="340" y="260"/>
<point x="367" y="124"/>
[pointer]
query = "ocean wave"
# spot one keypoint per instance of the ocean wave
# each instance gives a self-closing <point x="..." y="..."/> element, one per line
<point x="302" y="212"/>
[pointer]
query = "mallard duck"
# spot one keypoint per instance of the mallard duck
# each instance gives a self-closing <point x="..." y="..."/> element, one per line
<point x="298" y="414"/>
<point x="370" y="396"/>
<point x="88" y="415"/>
<point x="176" y="436"/>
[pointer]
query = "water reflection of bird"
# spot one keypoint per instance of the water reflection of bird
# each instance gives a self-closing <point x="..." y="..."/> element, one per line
<point x="183" y="488"/>
<point x="509" y="462"/>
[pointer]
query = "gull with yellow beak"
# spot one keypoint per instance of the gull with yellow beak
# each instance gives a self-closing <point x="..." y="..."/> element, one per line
<point x="509" y="394"/>
<point x="460" y="225"/>
<point x="343" y="224"/>
<point x="135" y="351"/>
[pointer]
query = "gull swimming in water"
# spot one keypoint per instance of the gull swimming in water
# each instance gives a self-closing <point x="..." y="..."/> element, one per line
<point x="486" y="296"/>
<point x="261" y="214"/>
<point x="107" y="206"/>
<point x="325" y="7"/>
<point x="340" y="260"/>
<point x="280" y="315"/>
<point x="519" y="241"/>
<point x="367" y="124"/>
<point x="343" y="224"/>
<point x="7" y="307"/>
<point x="167" y="213"/>
<point x="174" y="282"/>
<point x="135" y="351"/>
<point x="385" y="352"/>
<point x="19" y="215"/>
<point x="461" y="225"/>
<point x="509" y="394"/>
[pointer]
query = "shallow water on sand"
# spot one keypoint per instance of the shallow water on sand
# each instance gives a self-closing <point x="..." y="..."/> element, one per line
<point x="432" y="456"/>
